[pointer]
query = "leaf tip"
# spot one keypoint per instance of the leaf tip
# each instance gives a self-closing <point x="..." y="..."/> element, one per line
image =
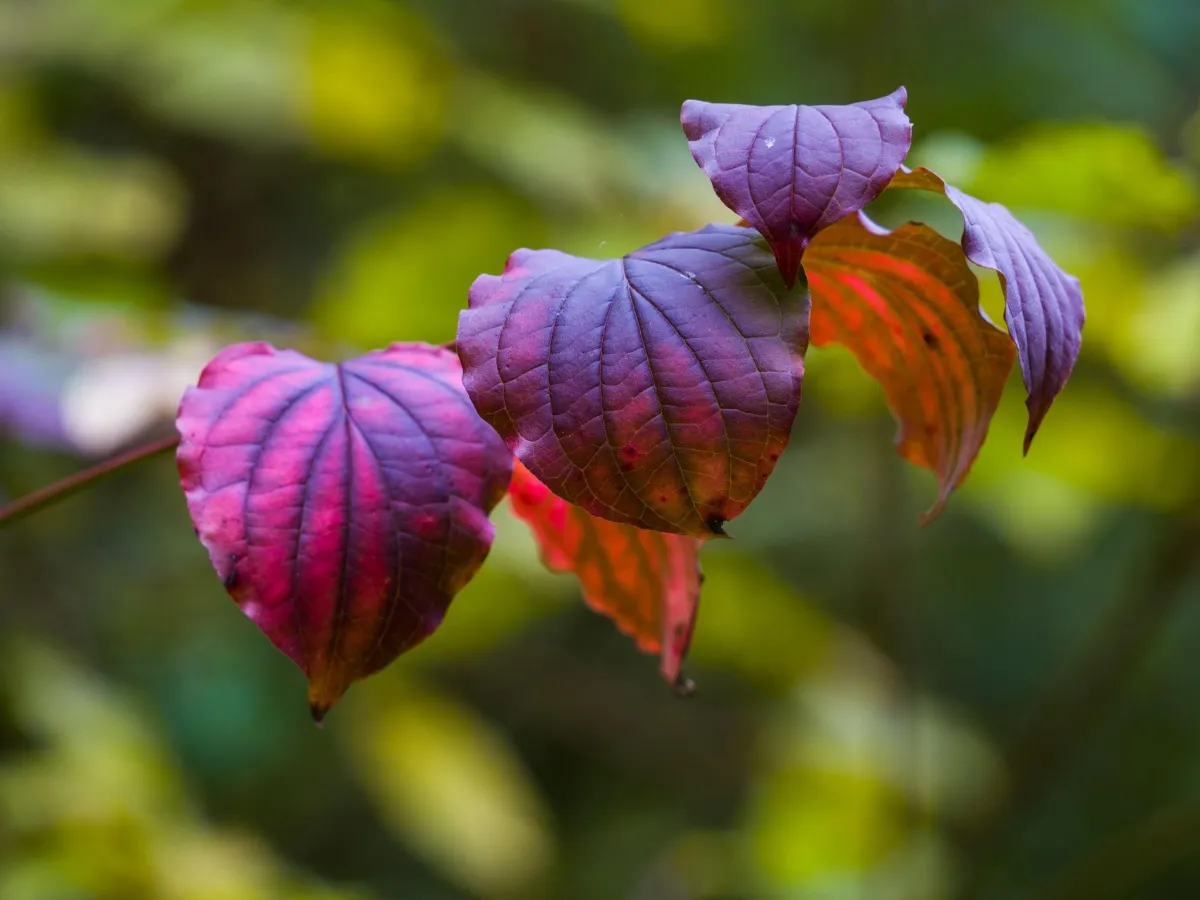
<point x="323" y="693"/>
<point x="318" y="713"/>
<point x="683" y="687"/>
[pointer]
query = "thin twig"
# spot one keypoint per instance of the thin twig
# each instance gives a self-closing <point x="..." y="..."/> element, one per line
<point x="60" y="490"/>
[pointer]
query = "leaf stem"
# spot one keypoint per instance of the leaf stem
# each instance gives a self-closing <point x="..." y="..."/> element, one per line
<point x="60" y="490"/>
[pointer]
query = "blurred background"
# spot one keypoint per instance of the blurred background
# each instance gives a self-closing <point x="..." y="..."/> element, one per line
<point x="1001" y="705"/>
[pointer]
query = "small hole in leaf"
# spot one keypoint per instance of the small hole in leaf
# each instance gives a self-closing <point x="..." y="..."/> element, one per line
<point x="930" y="339"/>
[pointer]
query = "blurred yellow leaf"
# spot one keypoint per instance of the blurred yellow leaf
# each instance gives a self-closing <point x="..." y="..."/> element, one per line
<point x="375" y="86"/>
<point x="1158" y="348"/>
<point x="67" y="203"/>
<point x="1101" y="172"/>
<point x="405" y="276"/>
<point x="544" y="142"/>
<point x="678" y="24"/>
<point x="450" y="786"/>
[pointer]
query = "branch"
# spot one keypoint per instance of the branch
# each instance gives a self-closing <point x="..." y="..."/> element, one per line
<point x="60" y="490"/>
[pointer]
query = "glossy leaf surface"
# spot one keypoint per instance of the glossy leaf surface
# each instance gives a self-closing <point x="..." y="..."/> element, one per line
<point x="907" y="305"/>
<point x="647" y="582"/>
<point x="1043" y="305"/>
<point x="655" y="390"/>
<point x="792" y="170"/>
<point x="342" y="505"/>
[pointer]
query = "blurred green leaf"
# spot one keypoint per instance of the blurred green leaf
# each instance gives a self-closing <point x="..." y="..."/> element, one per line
<point x="452" y="787"/>
<point x="69" y="203"/>
<point x="753" y="624"/>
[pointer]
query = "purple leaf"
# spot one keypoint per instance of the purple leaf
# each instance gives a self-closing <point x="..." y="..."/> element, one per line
<point x="342" y="505"/>
<point x="792" y="170"/>
<point x="1043" y="305"/>
<point x="655" y="390"/>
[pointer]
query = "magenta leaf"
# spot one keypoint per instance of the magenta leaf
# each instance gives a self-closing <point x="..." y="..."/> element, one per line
<point x="792" y="170"/>
<point x="655" y="390"/>
<point x="342" y="505"/>
<point x="1043" y="305"/>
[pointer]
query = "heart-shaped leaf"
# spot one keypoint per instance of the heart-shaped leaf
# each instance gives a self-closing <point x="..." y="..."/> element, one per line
<point x="342" y="505"/>
<point x="906" y="304"/>
<point x="655" y="390"/>
<point x="647" y="582"/>
<point x="1043" y="305"/>
<point x="792" y="170"/>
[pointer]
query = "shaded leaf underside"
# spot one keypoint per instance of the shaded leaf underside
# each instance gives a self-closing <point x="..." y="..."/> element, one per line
<point x="907" y="305"/>
<point x="1043" y="305"/>
<point x="647" y="582"/>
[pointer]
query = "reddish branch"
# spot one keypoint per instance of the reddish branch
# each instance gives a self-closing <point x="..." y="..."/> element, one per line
<point x="64" y="488"/>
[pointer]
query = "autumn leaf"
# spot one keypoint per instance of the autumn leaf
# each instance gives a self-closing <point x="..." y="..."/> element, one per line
<point x="342" y="505"/>
<point x="647" y="582"/>
<point x="792" y="170"/>
<point x="906" y="304"/>
<point x="1043" y="305"/>
<point x="655" y="390"/>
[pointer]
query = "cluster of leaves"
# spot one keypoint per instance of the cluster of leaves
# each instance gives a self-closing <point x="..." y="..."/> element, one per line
<point x="631" y="407"/>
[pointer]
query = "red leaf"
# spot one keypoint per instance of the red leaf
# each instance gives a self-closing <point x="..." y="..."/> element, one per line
<point x="647" y="582"/>
<point x="342" y="505"/>
<point x="792" y="170"/>
<point x="1043" y="305"/>
<point x="907" y="305"/>
<point x="655" y="390"/>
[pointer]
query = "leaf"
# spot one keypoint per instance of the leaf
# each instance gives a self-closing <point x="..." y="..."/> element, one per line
<point x="906" y="304"/>
<point x="647" y="582"/>
<point x="792" y="170"/>
<point x="655" y="390"/>
<point x="453" y="789"/>
<point x="1043" y="305"/>
<point x="342" y="505"/>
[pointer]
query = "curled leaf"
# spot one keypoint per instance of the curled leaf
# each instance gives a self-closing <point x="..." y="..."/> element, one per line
<point x="792" y="170"/>
<point x="342" y="505"/>
<point x="906" y="304"/>
<point x="655" y="390"/>
<point x="1043" y="305"/>
<point x="647" y="582"/>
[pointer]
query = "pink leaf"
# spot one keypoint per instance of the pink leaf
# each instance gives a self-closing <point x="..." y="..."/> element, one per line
<point x="342" y="505"/>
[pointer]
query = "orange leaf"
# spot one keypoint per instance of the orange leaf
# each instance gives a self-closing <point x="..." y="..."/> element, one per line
<point x="647" y="582"/>
<point x="906" y="304"/>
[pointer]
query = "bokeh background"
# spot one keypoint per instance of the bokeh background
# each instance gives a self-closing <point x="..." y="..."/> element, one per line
<point x="1001" y="705"/>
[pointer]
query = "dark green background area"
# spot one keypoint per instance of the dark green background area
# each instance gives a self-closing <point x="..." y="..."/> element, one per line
<point x="1000" y="705"/>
